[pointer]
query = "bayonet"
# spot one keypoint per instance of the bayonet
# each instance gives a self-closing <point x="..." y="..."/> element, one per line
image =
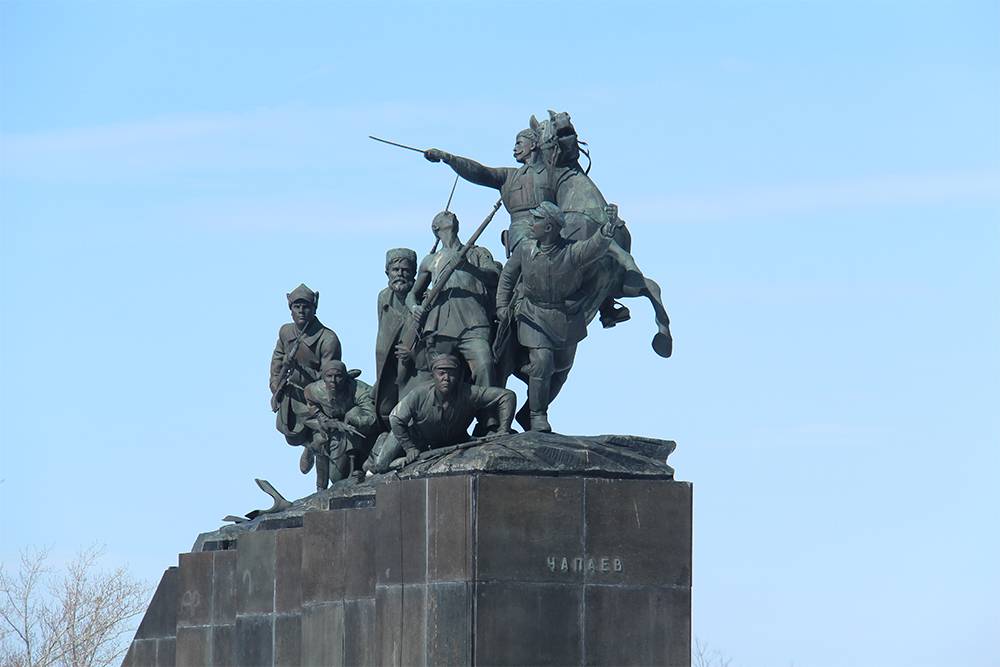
<point x="434" y="248"/>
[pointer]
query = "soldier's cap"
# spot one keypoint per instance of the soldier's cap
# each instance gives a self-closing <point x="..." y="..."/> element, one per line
<point x="445" y="360"/>
<point x="400" y="255"/>
<point x="303" y="293"/>
<point x="445" y="219"/>
<point x="549" y="211"/>
<point x="529" y="133"/>
<point x="331" y="364"/>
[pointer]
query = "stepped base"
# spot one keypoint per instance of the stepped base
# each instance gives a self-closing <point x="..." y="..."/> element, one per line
<point x="465" y="568"/>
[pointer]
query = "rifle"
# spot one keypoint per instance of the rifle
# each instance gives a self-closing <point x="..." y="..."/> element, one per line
<point x="332" y="425"/>
<point x="434" y="248"/>
<point x="411" y="329"/>
<point x="334" y="429"/>
<point x="286" y="369"/>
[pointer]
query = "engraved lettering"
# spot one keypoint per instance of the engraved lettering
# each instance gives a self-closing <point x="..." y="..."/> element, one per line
<point x="584" y="563"/>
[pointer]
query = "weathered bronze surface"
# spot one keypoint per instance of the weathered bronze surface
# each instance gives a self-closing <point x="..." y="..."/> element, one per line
<point x="396" y="368"/>
<point x="568" y="260"/>
<point x="549" y="152"/>
<point x="304" y="344"/>
<point x="341" y="418"/>
<point x="549" y="320"/>
<point x="457" y="312"/>
<point x="438" y="414"/>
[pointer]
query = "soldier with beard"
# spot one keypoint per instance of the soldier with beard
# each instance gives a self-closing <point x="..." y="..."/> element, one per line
<point x="390" y="356"/>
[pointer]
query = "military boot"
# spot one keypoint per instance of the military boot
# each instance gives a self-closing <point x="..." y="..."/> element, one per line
<point x="540" y="422"/>
<point x="322" y="472"/>
<point x="538" y="403"/>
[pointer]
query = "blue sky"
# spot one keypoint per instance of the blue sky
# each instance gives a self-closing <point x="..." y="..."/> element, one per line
<point x="816" y="185"/>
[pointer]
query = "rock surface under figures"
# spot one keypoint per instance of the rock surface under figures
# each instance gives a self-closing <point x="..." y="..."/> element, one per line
<point x="529" y="453"/>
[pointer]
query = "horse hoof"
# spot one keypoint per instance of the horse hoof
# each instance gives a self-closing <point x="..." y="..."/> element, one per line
<point x="663" y="345"/>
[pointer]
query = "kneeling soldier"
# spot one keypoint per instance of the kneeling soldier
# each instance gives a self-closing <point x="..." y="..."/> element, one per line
<point x="341" y="415"/>
<point x="438" y="414"/>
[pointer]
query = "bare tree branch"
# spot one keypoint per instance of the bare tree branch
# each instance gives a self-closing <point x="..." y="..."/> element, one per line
<point x="80" y="619"/>
<point x="704" y="656"/>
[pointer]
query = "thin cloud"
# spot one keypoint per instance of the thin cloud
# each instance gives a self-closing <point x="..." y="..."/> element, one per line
<point x="269" y="138"/>
<point x="973" y="186"/>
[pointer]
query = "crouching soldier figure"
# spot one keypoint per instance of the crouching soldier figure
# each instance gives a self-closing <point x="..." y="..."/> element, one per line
<point x="438" y="414"/>
<point x="341" y="416"/>
<point x="303" y="346"/>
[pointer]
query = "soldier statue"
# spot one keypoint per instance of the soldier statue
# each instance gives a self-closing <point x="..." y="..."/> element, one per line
<point x="391" y="357"/>
<point x="548" y="317"/>
<point x="341" y="417"/>
<point x="549" y="152"/>
<point x="521" y="188"/>
<point x="462" y="316"/>
<point x="303" y="346"/>
<point x="438" y="414"/>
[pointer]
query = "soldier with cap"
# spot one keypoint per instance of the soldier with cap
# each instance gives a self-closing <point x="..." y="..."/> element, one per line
<point x="304" y="344"/>
<point x="521" y="188"/>
<point x="549" y="320"/>
<point x="341" y="417"/>
<point x="462" y="315"/>
<point x="390" y="355"/>
<point x="438" y="414"/>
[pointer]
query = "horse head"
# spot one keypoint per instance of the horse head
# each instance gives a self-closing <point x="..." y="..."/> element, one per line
<point x="557" y="139"/>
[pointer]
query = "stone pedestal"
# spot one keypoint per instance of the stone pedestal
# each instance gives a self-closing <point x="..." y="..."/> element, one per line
<point x="455" y="564"/>
<point x="517" y="570"/>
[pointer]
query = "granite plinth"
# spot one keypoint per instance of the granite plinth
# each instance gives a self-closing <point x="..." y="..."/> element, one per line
<point x="464" y="557"/>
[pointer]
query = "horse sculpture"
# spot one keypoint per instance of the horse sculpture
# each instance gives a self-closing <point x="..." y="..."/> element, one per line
<point x="617" y="276"/>
<point x="549" y="152"/>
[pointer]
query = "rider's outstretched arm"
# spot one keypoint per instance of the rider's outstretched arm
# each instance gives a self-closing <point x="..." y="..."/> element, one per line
<point x="470" y="170"/>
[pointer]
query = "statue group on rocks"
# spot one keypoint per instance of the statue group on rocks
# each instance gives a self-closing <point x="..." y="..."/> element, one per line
<point x="454" y="327"/>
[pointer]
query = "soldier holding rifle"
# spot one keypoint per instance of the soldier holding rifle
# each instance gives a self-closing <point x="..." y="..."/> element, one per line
<point x="458" y="312"/>
<point x="304" y="344"/>
<point x="341" y="416"/>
